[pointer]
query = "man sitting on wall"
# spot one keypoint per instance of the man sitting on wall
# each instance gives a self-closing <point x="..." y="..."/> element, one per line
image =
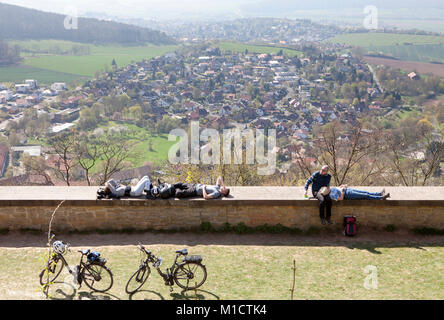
<point x="318" y="180"/>
<point x="185" y="190"/>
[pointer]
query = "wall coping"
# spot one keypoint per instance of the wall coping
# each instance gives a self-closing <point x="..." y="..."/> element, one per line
<point x="264" y="196"/>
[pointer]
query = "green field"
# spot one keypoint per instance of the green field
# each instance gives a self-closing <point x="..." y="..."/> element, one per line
<point x="239" y="267"/>
<point x="73" y="67"/>
<point x="384" y="39"/>
<point x="418" y="52"/>
<point x="241" y="47"/>
<point x="21" y="72"/>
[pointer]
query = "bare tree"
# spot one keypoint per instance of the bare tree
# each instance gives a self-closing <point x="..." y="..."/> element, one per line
<point x="114" y="151"/>
<point x="412" y="162"/>
<point x="89" y="154"/>
<point x="63" y="146"/>
<point x="344" y="148"/>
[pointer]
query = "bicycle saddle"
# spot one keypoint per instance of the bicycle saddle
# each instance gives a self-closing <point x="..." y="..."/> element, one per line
<point x="84" y="251"/>
<point x="183" y="252"/>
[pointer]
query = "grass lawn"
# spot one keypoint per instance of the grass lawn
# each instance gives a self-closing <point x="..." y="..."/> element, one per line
<point x="241" y="47"/>
<point x="240" y="266"/>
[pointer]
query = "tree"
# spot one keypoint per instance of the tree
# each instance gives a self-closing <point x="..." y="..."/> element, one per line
<point x="114" y="150"/>
<point x="63" y="145"/>
<point x="344" y="148"/>
<point x="89" y="153"/>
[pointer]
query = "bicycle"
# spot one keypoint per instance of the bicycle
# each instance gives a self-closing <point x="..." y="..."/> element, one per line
<point x="93" y="272"/>
<point x="183" y="273"/>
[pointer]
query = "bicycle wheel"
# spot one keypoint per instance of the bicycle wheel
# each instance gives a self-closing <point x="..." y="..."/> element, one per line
<point x="190" y="275"/>
<point x="97" y="277"/>
<point x="138" y="279"/>
<point x="54" y="268"/>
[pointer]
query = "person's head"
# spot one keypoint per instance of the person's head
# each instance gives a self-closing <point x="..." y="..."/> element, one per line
<point x="324" y="170"/>
<point x="107" y="190"/>
<point x="224" y="191"/>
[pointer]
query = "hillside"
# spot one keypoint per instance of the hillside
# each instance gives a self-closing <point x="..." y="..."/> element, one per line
<point x="23" y="24"/>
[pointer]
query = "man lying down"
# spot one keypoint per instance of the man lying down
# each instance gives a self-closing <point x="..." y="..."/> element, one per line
<point x="114" y="189"/>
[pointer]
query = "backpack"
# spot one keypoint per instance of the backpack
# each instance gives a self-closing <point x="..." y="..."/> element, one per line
<point x="94" y="257"/>
<point x="349" y="226"/>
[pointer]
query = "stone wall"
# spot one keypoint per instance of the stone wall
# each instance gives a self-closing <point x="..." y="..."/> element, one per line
<point x="175" y="214"/>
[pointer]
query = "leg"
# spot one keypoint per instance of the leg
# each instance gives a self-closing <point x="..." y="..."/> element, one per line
<point x="141" y="185"/>
<point x="352" y="195"/>
<point x="189" y="190"/>
<point x="328" y="203"/>
<point x="365" y="192"/>
<point x="321" y="199"/>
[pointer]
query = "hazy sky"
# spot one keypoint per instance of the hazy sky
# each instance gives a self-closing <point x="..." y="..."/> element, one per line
<point x="162" y="9"/>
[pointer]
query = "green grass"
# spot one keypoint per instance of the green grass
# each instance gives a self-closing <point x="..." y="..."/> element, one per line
<point x="241" y="47"/>
<point x="100" y="56"/>
<point x="324" y="270"/>
<point x="384" y="39"/>
<point x="50" y="68"/>
<point x="419" y="52"/>
<point x="21" y="72"/>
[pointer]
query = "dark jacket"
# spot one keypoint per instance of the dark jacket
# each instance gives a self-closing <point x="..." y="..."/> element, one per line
<point x="318" y="181"/>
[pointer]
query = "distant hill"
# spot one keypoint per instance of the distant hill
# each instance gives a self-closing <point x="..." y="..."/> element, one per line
<point x="20" y="23"/>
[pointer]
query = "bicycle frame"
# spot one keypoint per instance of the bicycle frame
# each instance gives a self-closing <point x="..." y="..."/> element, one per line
<point x="167" y="277"/>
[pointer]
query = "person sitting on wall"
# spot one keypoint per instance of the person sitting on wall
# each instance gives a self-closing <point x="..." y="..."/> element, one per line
<point x="186" y="190"/>
<point x="318" y="180"/>
<point x="117" y="190"/>
<point x="343" y="192"/>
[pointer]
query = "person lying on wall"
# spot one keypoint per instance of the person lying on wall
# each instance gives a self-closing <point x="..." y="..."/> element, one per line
<point x="186" y="190"/>
<point x="113" y="189"/>
<point x="344" y="192"/>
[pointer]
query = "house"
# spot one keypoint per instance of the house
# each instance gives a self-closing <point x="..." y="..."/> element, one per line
<point x="67" y="115"/>
<point x="4" y="157"/>
<point x="413" y="76"/>
<point x="32" y="84"/>
<point x="58" y="86"/>
<point x="22" y="103"/>
<point x="22" y="88"/>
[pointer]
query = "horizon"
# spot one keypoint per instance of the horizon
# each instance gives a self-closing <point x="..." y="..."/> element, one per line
<point x="200" y="10"/>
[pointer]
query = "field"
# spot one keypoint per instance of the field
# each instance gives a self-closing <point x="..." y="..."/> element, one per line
<point x="241" y="47"/>
<point x="241" y="266"/>
<point x="20" y="73"/>
<point x="46" y="68"/>
<point x="400" y="46"/>
<point x="384" y="39"/>
<point x="422" y="68"/>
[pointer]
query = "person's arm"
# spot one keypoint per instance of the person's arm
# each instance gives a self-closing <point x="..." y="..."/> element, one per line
<point x="205" y="194"/>
<point x="220" y="182"/>
<point x="342" y="194"/>
<point x="308" y="183"/>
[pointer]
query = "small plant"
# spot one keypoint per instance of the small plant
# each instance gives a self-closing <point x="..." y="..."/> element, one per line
<point x="206" y="227"/>
<point x="390" y="228"/>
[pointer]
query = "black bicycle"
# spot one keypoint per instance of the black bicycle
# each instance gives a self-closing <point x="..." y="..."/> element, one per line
<point x="93" y="272"/>
<point x="189" y="274"/>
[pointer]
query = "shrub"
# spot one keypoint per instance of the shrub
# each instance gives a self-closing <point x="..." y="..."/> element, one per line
<point x="389" y="228"/>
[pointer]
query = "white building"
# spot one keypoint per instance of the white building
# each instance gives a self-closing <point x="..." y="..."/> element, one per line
<point x="58" y="86"/>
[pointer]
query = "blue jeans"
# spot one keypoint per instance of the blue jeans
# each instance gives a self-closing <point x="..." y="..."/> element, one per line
<point x="355" y="194"/>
